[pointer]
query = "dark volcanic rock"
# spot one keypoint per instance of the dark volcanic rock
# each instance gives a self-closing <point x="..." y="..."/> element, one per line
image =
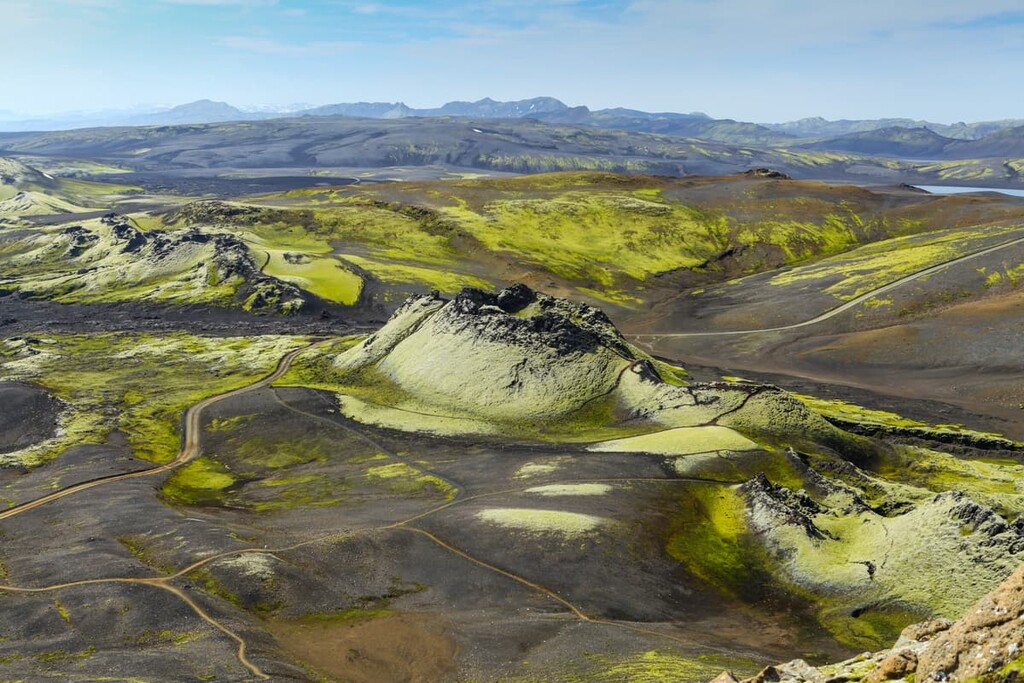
<point x="767" y="173"/>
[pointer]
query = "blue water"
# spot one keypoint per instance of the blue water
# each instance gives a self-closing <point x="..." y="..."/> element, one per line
<point x="949" y="189"/>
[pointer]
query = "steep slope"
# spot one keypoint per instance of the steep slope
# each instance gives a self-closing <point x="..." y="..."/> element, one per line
<point x="14" y="173"/>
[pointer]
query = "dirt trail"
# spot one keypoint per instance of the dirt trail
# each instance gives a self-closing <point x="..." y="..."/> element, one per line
<point x="831" y="313"/>
<point x="190" y="449"/>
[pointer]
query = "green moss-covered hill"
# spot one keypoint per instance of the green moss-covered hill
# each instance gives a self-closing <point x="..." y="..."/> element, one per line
<point x="624" y="241"/>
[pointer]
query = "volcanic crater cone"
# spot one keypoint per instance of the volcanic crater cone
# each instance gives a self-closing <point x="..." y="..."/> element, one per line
<point x="522" y="358"/>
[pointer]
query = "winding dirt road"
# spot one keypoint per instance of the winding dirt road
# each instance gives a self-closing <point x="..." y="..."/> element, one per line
<point x="191" y="446"/>
<point x="852" y="303"/>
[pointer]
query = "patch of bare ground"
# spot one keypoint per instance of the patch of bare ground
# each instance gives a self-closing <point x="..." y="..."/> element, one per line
<point x="404" y="648"/>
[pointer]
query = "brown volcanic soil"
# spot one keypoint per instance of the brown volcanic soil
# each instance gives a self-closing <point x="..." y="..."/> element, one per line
<point x="407" y="648"/>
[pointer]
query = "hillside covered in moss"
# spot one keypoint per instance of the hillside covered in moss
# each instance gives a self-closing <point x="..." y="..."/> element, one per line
<point x="568" y="427"/>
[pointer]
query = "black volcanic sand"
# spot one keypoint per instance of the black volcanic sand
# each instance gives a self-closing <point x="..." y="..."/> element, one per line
<point x="21" y="317"/>
<point x="961" y="363"/>
<point x="219" y="186"/>
<point x="28" y="415"/>
<point x="305" y="491"/>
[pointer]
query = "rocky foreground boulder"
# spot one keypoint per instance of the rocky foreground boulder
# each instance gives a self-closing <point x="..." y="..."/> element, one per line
<point x="986" y="645"/>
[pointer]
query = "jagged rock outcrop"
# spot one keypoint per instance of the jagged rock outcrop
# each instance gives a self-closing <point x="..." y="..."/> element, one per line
<point x="766" y="173"/>
<point x="99" y="261"/>
<point x="935" y="555"/>
<point x="986" y="645"/>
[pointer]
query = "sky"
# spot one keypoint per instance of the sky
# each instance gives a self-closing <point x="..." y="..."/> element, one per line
<point x="753" y="60"/>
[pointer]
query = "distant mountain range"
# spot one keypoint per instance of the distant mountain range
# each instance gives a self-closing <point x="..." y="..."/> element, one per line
<point x="913" y="141"/>
<point x="525" y="145"/>
<point x="818" y="127"/>
<point x="817" y="131"/>
<point x="923" y="143"/>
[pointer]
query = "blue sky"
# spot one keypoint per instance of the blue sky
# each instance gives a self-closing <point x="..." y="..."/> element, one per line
<point x="760" y="60"/>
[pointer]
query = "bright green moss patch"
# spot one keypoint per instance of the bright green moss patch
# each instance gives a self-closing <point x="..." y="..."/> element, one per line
<point x="604" y="234"/>
<point x="709" y="534"/>
<point x="671" y="374"/>
<point x="680" y="441"/>
<point x="738" y="467"/>
<point x="324" y="276"/>
<point x="843" y="411"/>
<point x="54" y="656"/>
<point x="62" y="611"/>
<point x="858" y="271"/>
<point x="597" y="237"/>
<point x="441" y="278"/>
<point x="997" y="483"/>
<point x="854" y="413"/>
<point x="258" y="456"/>
<point x="297" y="493"/>
<point x="652" y="666"/>
<point x="229" y="424"/>
<point x="658" y="667"/>
<point x="874" y="627"/>
<point x="315" y="368"/>
<point x="201" y="481"/>
<point x="153" y="637"/>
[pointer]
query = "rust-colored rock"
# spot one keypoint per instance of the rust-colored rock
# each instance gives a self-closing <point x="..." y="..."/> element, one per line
<point x="984" y="641"/>
<point x="725" y="677"/>
<point x="898" y="664"/>
<point x="769" y="674"/>
<point x="926" y="630"/>
<point x="986" y="645"/>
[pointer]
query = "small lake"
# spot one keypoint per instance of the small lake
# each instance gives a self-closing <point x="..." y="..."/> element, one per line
<point x="950" y="189"/>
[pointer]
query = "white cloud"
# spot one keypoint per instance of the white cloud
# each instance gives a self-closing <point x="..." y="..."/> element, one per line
<point x="269" y="46"/>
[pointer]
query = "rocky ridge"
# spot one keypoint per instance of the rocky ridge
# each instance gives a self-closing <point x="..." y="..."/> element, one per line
<point x="105" y="258"/>
<point x="834" y="543"/>
<point x="986" y="645"/>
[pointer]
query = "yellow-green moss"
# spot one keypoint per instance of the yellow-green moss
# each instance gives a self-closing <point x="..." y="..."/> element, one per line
<point x="136" y="383"/>
<point x="568" y="524"/>
<point x="203" y="480"/>
<point x="680" y="441"/>
<point x="400" y="477"/>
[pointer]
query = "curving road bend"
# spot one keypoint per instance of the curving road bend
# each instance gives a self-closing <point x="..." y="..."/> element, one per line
<point x="853" y="303"/>
<point x="191" y="446"/>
